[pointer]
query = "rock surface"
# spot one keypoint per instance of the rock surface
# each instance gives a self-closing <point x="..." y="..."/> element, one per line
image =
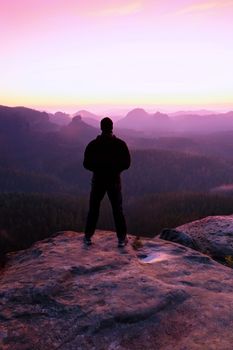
<point x="178" y="237"/>
<point x="61" y="295"/>
<point x="212" y="235"/>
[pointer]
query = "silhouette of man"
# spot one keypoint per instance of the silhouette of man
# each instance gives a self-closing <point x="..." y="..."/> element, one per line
<point x="106" y="156"/>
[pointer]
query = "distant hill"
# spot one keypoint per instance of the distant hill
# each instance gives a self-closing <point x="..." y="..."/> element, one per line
<point x="78" y="130"/>
<point x="135" y="119"/>
<point x="92" y="122"/>
<point x="203" y="124"/>
<point x="40" y="159"/>
<point x="86" y="114"/>
<point x="179" y="124"/>
<point x="175" y="143"/>
<point x="25" y="118"/>
<point x="217" y="145"/>
<point x="60" y="118"/>
<point x="139" y="119"/>
<point x="194" y="112"/>
<point x="89" y="118"/>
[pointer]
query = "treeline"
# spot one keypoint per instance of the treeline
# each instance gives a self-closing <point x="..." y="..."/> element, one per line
<point x="148" y="215"/>
<point x="26" y="218"/>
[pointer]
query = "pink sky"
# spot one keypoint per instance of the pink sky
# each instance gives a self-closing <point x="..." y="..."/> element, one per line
<point x="66" y="54"/>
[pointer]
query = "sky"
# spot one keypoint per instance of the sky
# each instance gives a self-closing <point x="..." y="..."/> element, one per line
<point x="103" y="55"/>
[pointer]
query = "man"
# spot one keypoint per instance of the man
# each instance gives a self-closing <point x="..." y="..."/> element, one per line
<point x="106" y="156"/>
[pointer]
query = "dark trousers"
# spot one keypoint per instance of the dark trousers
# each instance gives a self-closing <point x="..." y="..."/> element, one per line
<point x="113" y="188"/>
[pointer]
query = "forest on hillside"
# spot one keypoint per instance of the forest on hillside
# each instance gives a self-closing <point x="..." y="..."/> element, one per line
<point x="151" y="171"/>
<point x="26" y="218"/>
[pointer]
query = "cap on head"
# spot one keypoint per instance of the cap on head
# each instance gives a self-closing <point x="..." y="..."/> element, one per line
<point x="106" y="124"/>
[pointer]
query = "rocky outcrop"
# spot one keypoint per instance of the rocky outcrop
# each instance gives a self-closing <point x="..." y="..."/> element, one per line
<point x="212" y="235"/>
<point x="60" y="294"/>
<point x="178" y="237"/>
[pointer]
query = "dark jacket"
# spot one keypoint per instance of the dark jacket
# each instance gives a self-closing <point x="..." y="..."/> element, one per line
<point x="106" y="155"/>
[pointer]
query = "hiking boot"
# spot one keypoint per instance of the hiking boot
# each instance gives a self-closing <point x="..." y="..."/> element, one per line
<point x="122" y="242"/>
<point x="87" y="241"/>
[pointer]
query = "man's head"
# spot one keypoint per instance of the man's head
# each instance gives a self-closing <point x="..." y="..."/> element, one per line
<point x="106" y="125"/>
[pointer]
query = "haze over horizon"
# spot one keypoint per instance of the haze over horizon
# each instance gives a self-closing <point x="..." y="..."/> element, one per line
<point x="101" y="56"/>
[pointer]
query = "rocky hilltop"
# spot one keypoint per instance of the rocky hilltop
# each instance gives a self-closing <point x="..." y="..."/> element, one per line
<point x="59" y="294"/>
<point x="212" y="235"/>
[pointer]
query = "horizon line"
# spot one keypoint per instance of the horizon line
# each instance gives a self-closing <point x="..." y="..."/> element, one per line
<point x="122" y="109"/>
